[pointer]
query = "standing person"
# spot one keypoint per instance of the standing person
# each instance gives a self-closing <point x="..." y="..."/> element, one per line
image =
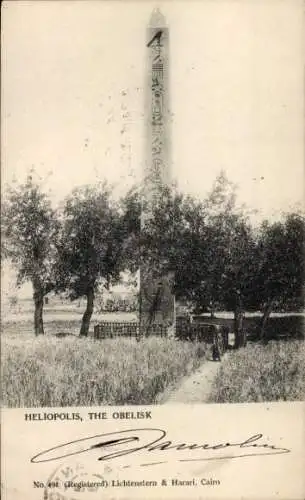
<point x="217" y="343"/>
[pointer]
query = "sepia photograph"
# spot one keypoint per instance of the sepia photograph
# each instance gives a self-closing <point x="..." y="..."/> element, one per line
<point x="152" y="212"/>
<point x="152" y="250"/>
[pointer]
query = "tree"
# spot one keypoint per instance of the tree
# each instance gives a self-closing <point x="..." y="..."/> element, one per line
<point x="129" y="207"/>
<point x="280" y="274"/>
<point x="238" y="293"/>
<point x="295" y="265"/>
<point x="29" y="231"/>
<point x="173" y="231"/>
<point x="207" y="245"/>
<point x="233" y="254"/>
<point x="93" y="246"/>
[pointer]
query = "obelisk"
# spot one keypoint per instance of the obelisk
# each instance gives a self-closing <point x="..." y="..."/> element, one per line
<point x="157" y="303"/>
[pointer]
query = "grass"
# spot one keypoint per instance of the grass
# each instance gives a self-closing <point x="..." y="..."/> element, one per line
<point x="72" y="371"/>
<point x="56" y="322"/>
<point x="257" y="373"/>
<point x="25" y="329"/>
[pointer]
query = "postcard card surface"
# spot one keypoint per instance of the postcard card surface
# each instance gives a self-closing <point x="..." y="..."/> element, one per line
<point x="153" y="232"/>
<point x="187" y="451"/>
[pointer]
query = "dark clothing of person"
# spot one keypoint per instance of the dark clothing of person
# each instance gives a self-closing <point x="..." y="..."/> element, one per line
<point x="216" y="349"/>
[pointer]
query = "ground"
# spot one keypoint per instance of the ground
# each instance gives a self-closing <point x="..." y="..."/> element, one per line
<point x="195" y="388"/>
<point x="166" y="371"/>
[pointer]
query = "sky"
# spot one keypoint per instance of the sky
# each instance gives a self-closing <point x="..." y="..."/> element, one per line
<point x="71" y="70"/>
<point x="73" y="76"/>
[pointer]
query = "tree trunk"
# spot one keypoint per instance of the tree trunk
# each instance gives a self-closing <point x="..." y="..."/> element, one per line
<point x="266" y="314"/>
<point x="87" y="314"/>
<point x="240" y="334"/>
<point x="38" y="312"/>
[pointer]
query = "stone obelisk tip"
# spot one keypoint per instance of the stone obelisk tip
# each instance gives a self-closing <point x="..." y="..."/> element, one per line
<point x="157" y="20"/>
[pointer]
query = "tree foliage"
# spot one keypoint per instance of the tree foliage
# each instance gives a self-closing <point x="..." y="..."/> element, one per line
<point x="280" y="264"/>
<point x="94" y="243"/>
<point x="218" y="259"/>
<point x="203" y="244"/>
<point x="29" y="231"/>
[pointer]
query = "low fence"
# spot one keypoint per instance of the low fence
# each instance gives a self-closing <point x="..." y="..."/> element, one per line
<point x="202" y="332"/>
<point x="184" y="331"/>
<point x="111" y="329"/>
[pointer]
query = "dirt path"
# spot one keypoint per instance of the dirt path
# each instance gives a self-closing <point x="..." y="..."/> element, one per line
<point x="196" y="387"/>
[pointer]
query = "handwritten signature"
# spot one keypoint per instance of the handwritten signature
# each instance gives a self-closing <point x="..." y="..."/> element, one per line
<point x="118" y="444"/>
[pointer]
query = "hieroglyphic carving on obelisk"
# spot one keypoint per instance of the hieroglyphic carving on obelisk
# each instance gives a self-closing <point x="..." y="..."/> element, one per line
<point x="157" y="304"/>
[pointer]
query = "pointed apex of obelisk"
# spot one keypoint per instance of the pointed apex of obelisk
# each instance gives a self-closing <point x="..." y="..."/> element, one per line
<point x="157" y="20"/>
